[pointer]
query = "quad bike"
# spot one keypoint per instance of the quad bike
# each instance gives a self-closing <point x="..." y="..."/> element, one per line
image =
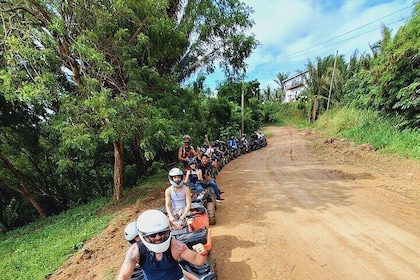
<point x="263" y="141"/>
<point x="244" y="146"/>
<point x="204" y="272"/>
<point x="222" y="149"/>
<point x="137" y="274"/>
<point x="197" y="231"/>
<point x="254" y="143"/>
<point x="207" y="197"/>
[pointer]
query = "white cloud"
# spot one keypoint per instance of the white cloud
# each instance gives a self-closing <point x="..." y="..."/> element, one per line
<point x="293" y="32"/>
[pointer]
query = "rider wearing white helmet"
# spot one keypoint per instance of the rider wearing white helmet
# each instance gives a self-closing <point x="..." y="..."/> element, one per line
<point x="158" y="252"/>
<point x="131" y="234"/>
<point x="177" y="198"/>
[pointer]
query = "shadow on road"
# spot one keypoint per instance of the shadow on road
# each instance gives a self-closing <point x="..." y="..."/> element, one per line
<point x="230" y="254"/>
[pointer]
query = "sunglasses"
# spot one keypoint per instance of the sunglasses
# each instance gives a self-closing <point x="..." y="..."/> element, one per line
<point x="162" y="233"/>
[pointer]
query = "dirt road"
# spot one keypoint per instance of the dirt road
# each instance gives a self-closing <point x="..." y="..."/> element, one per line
<point x="298" y="209"/>
<point x="290" y="216"/>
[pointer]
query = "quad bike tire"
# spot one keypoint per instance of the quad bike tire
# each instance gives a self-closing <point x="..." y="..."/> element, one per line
<point x="213" y="197"/>
<point x="211" y="212"/>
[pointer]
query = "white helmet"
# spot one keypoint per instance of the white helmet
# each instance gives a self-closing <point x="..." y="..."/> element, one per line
<point x="175" y="172"/>
<point x="151" y="222"/>
<point x="130" y="232"/>
<point x="187" y="138"/>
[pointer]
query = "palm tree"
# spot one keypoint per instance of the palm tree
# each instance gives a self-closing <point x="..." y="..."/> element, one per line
<point x="318" y="84"/>
<point x="267" y="93"/>
<point x="281" y="77"/>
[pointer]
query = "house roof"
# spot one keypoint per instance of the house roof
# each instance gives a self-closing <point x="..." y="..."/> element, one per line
<point x="297" y="75"/>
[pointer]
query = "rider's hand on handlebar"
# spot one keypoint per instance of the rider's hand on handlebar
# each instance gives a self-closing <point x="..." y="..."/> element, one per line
<point x="199" y="248"/>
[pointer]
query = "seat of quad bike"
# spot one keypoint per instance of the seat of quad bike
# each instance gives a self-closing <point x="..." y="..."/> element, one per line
<point x="176" y="232"/>
<point x="197" y="206"/>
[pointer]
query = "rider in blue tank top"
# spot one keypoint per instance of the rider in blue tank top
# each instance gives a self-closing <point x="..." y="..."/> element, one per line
<point x="157" y="251"/>
<point x="166" y="268"/>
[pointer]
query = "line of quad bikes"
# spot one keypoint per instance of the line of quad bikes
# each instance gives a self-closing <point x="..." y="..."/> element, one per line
<point x="204" y="206"/>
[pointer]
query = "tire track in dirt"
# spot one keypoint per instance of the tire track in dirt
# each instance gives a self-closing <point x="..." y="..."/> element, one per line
<point x="303" y="220"/>
<point x="292" y="213"/>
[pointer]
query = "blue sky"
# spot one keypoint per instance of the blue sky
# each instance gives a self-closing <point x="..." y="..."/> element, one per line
<point x="292" y="32"/>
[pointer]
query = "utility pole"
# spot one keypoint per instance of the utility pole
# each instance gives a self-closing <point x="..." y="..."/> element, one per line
<point x="242" y="106"/>
<point x="332" y="79"/>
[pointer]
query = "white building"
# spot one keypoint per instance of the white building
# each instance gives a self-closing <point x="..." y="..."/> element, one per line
<point x="294" y="85"/>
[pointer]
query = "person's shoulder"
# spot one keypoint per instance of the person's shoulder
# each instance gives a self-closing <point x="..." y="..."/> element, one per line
<point x="133" y="251"/>
<point x="178" y="245"/>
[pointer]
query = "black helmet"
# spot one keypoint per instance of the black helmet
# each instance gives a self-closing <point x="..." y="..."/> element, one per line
<point x="192" y="161"/>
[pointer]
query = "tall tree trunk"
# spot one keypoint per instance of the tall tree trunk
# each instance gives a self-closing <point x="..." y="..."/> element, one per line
<point x="24" y="190"/>
<point x="314" y="110"/>
<point x="118" y="169"/>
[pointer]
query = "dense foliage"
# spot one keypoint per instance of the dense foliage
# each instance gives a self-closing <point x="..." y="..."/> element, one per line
<point x="91" y="97"/>
<point x="387" y="80"/>
<point x="96" y="95"/>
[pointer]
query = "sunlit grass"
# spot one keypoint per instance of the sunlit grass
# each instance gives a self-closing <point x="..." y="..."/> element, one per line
<point x="36" y="250"/>
<point x="369" y="127"/>
<point x="33" y="251"/>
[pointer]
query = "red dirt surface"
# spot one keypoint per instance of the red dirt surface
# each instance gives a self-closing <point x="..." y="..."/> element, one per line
<point x="303" y="207"/>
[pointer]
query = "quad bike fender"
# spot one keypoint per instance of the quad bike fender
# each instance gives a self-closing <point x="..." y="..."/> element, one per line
<point x="209" y="241"/>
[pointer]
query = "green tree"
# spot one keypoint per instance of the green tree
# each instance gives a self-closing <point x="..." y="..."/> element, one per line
<point x="388" y="80"/>
<point x="280" y="78"/>
<point x="107" y="72"/>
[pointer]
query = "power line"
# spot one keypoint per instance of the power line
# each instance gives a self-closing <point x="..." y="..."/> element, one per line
<point x="348" y="32"/>
<point x="336" y="43"/>
<point x="306" y="51"/>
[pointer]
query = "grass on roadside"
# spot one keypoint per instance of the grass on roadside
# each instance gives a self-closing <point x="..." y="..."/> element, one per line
<point x="36" y="250"/>
<point x="33" y="251"/>
<point x="369" y="127"/>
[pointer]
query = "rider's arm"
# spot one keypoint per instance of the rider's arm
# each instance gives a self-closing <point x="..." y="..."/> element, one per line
<point x="188" y="201"/>
<point x="200" y="174"/>
<point x="196" y="257"/>
<point x="168" y="204"/>
<point x="180" y="155"/>
<point x="187" y="176"/>
<point x="197" y="153"/>
<point x="131" y="259"/>
<point x="207" y="177"/>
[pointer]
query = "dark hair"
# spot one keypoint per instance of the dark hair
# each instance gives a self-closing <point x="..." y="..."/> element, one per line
<point x="204" y="155"/>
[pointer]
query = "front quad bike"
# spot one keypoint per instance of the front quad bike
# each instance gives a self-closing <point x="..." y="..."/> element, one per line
<point x="137" y="273"/>
<point x="197" y="231"/>
<point x="207" y="198"/>
<point x="204" y="272"/>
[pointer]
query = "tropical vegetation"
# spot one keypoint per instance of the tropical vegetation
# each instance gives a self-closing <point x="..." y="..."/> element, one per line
<point x="96" y="95"/>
